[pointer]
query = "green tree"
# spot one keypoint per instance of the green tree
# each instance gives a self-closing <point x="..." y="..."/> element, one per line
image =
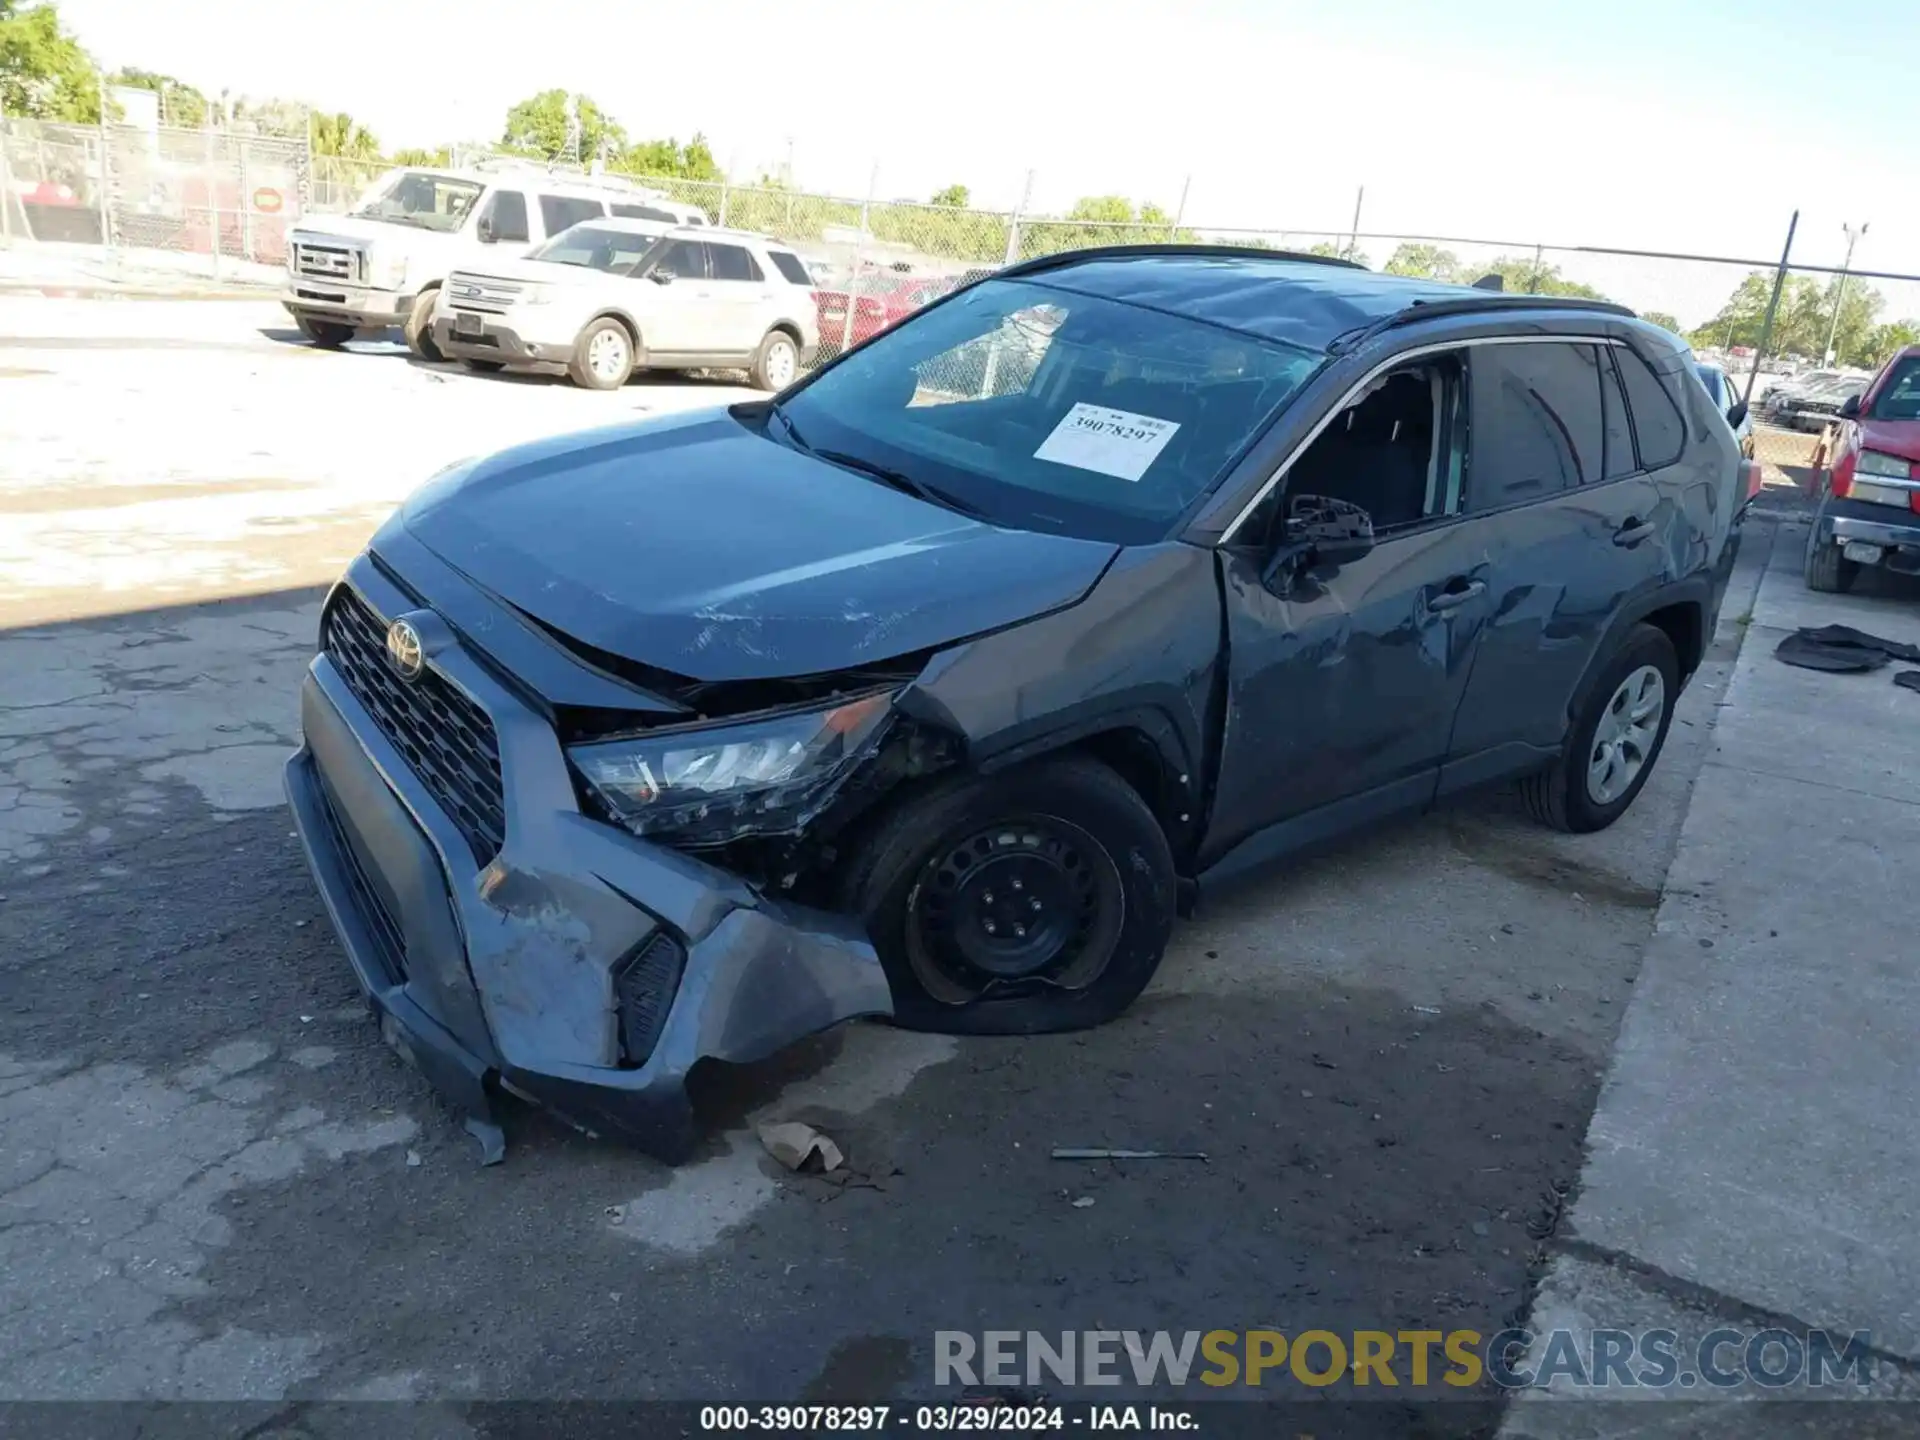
<point x="1883" y="340"/>
<point x="1339" y="252"/>
<point x="669" y="158"/>
<point x="1103" y="210"/>
<point x="1662" y="319"/>
<point x="1804" y="319"/>
<point x="289" y="118"/>
<point x="414" y="155"/>
<point x="180" y="104"/>
<point x="538" y="126"/>
<point x="340" y="136"/>
<point x="44" y="74"/>
<point x="1425" y="262"/>
<point x="953" y="197"/>
<point x="1525" y="275"/>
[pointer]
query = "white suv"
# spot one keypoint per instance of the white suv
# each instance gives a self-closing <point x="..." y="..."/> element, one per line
<point x="612" y="296"/>
<point x="384" y="261"/>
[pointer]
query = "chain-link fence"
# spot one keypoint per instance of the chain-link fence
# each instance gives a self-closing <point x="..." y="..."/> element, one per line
<point x="231" y="197"/>
<point x="227" y="196"/>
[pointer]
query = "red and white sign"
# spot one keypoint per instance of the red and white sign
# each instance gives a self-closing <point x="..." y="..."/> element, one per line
<point x="267" y="202"/>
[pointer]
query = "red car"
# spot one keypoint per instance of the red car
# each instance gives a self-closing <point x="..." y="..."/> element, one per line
<point x="880" y="299"/>
<point x="1870" y="511"/>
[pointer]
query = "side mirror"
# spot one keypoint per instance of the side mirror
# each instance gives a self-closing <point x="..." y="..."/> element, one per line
<point x="660" y="277"/>
<point x="1850" y="408"/>
<point x="1320" y="531"/>
<point x="1737" y="414"/>
<point x="483" y="229"/>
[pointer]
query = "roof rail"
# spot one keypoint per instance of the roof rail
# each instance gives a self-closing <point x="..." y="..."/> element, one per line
<point x="1485" y="302"/>
<point x="1203" y="251"/>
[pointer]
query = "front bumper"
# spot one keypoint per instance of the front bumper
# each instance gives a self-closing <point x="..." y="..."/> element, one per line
<point x="1896" y="532"/>
<point x="505" y="975"/>
<point x="356" y="305"/>
<point x="498" y="340"/>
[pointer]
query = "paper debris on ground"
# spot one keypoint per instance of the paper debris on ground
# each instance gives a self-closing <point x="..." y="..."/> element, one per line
<point x="801" y="1147"/>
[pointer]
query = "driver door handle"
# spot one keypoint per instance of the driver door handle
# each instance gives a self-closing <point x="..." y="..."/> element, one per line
<point x="1633" y="532"/>
<point x="1456" y="594"/>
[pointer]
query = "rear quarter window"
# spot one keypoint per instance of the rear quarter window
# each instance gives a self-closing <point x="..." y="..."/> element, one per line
<point x="790" y="267"/>
<point x="1657" y="424"/>
<point x="557" y="212"/>
<point x="1535" y="422"/>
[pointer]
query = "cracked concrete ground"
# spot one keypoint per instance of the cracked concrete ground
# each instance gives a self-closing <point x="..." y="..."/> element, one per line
<point x="218" y="1182"/>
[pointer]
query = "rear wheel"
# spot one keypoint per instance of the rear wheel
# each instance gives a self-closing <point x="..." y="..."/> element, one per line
<point x="327" y="334"/>
<point x="1614" y="740"/>
<point x="1036" y="900"/>
<point x="602" y="356"/>
<point x="776" y="363"/>
<point x="419" y="326"/>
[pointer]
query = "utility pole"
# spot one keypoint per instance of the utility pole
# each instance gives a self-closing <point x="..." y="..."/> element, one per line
<point x="1353" y="237"/>
<point x="1840" y="294"/>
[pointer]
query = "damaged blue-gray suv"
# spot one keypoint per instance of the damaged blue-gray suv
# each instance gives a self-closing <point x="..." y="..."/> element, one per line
<point x="936" y="686"/>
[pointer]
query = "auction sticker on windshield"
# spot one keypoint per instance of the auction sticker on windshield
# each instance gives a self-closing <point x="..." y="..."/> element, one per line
<point x="1112" y="442"/>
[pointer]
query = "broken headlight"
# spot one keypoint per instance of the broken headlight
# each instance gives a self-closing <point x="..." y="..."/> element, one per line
<point x="722" y="783"/>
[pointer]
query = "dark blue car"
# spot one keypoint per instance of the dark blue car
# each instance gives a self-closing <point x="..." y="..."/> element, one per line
<point x="936" y="687"/>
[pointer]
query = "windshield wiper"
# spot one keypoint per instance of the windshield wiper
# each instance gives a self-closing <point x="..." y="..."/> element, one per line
<point x="899" y="480"/>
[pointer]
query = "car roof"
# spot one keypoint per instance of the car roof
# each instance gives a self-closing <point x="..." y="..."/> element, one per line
<point x="1271" y="295"/>
<point x="625" y="224"/>
<point x="716" y="232"/>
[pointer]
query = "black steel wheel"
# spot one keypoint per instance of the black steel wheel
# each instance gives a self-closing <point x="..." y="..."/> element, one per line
<point x="1036" y="900"/>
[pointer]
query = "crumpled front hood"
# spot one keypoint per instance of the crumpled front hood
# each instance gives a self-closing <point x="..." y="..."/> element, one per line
<point x="695" y="545"/>
<point x="1892" y="437"/>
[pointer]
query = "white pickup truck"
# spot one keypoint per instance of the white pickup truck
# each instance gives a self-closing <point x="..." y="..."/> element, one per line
<point x="383" y="262"/>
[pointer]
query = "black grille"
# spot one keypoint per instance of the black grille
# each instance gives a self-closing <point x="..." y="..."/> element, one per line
<point x="645" y="986"/>
<point x="445" y="737"/>
<point x="366" y="899"/>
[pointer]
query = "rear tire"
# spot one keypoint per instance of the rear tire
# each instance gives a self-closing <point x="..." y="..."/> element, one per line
<point x="776" y="364"/>
<point x="603" y="356"/>
<point x="1570" y="794"/>
<point x="327" y="334"/>
<point x="1826" y="569"/>
<point x="419" y="326"/>
<point x="1085" y="878"/>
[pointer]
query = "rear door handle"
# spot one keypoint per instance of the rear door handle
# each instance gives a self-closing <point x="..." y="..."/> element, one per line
<point x="1456" y="595"/>
<point x="1632" y="533"/>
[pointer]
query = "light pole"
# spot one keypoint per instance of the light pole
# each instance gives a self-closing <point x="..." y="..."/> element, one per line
<point x="1840" y="295"/>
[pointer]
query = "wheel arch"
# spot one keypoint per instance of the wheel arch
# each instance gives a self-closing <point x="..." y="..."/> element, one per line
<point x="1680" y="611"/>
<point x="626" y="323"/>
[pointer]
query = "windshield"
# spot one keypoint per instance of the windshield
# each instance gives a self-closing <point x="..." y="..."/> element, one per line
<point x="598" y="247"/>
<point x="1899" y="398"/>
<point x="1048" y="410"/>
<point x="414" y="197"/>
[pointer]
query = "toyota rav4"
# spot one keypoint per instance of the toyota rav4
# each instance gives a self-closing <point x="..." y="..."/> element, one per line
<point x="936" y="686"/>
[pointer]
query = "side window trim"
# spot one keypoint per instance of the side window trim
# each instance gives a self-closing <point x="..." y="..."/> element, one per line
<point x="1636" y="469"/>
<point x="1274" y="479"/>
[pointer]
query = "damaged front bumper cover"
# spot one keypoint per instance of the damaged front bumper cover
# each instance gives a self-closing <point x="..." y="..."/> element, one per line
<point x="518" y="974"/>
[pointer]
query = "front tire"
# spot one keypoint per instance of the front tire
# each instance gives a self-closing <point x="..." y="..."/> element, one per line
<point x="1614" y="741"/>
<point x="419" y="326"/>
<point x="327" y="334"/>
<point x="1826" y="569"/>
<point x="776" y="364"/>
<point x="1036" y="900"/>
<point x="603" y="356"/>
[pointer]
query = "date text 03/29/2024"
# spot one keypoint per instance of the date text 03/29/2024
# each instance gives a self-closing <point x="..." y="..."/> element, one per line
<point x="936" y="1419"/>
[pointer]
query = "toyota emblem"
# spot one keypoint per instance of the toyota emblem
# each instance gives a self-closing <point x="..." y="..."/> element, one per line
<point x="404" y="651"/>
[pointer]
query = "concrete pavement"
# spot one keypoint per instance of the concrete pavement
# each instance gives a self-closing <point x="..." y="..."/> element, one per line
<point x="1752" y="1160"/>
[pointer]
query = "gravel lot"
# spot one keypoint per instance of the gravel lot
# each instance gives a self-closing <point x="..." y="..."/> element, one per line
<point x="215" y="1182"/>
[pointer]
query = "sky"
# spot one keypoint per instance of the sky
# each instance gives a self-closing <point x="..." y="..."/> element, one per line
<point x="1688" y="125"/>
